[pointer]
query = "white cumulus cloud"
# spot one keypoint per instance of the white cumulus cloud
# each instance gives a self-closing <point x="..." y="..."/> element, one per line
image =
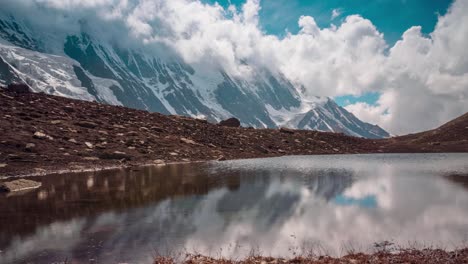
<point x="422" y="79"/>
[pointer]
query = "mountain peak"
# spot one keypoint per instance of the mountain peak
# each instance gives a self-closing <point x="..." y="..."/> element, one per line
<point x="88" y="69"/>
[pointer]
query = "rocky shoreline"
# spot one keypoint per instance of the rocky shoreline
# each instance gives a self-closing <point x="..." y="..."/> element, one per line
<point x="426" y="256"/>
<point x="41" y="133"/>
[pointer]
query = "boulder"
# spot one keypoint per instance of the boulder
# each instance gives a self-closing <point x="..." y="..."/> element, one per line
<point x="19" y="185"/>
<point x="41" y="135"/>
<point x="19" y="88"/>
<point x="231" y="122"/>
<point x="286" y="130"/>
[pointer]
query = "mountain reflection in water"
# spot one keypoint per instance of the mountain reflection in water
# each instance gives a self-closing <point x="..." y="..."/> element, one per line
<point x="278" y="206"/>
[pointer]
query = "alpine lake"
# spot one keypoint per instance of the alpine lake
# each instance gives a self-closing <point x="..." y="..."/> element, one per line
<point x="283" y="206"/>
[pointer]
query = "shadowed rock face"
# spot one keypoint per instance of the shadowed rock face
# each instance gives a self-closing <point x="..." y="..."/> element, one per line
<point x="87" y="69"/>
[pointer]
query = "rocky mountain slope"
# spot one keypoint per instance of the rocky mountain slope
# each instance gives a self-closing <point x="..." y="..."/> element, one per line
<point x="40" y="133"/>
<point x="450" y="137"/>
<point x="82" y="66"/>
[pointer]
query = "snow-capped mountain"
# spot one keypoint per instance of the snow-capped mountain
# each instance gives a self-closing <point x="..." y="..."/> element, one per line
<point x="82" y="67"/>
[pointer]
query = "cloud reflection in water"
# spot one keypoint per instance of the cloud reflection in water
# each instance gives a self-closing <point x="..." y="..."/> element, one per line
<point x="277" y="206"/>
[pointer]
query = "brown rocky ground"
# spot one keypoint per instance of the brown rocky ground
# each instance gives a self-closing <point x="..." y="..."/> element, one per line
<point x="41" y="133"/>
<point x="427" y="256"/>
<point x="450" y="137"/>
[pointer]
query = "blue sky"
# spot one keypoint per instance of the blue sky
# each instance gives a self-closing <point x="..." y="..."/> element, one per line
<point x="391" y="17"/>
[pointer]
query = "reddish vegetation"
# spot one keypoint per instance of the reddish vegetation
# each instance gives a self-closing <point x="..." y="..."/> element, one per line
<point x="406" y="256"/>
<point x="39" y="133"/>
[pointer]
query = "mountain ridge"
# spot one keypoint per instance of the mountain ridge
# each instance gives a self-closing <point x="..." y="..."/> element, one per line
<point x="87" y="69"/>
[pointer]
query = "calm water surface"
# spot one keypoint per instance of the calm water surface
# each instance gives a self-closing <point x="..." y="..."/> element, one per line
<point x="277" y="206"/>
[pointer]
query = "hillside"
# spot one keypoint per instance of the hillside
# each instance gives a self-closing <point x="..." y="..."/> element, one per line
<point x="41" y="133"/>
<point x="450" y="137"/>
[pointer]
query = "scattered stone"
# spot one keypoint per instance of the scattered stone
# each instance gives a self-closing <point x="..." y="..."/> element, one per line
<point x="91" y="158"/>
<point x="131" y="148"/>
<point x="174" y="154"/>
<point x="41" y="135"/>
<point x="188" y="141"/>
<point x="89" y="145"/>
<point x="19" y="185"/>
<point x="86" y="124"/>
<point x="286" y="130"/>
<point x="231" y="122"/>
<point x="102" y="145"/>
<point x="3" y="165"/>
<point x="19" y="88"/>
<point x="72" y="140"/>
<point x="14" y="157"/>
<point x="55" y="122"/>
<point x="103" y="132"/>
<point x="68" y="109"/>
<point x="222" y="158"/>
<point x="144" y="129"/>
<point x="30" y="146"/>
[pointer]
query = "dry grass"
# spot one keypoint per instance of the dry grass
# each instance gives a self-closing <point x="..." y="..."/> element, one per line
<point x="428" y="256"/>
